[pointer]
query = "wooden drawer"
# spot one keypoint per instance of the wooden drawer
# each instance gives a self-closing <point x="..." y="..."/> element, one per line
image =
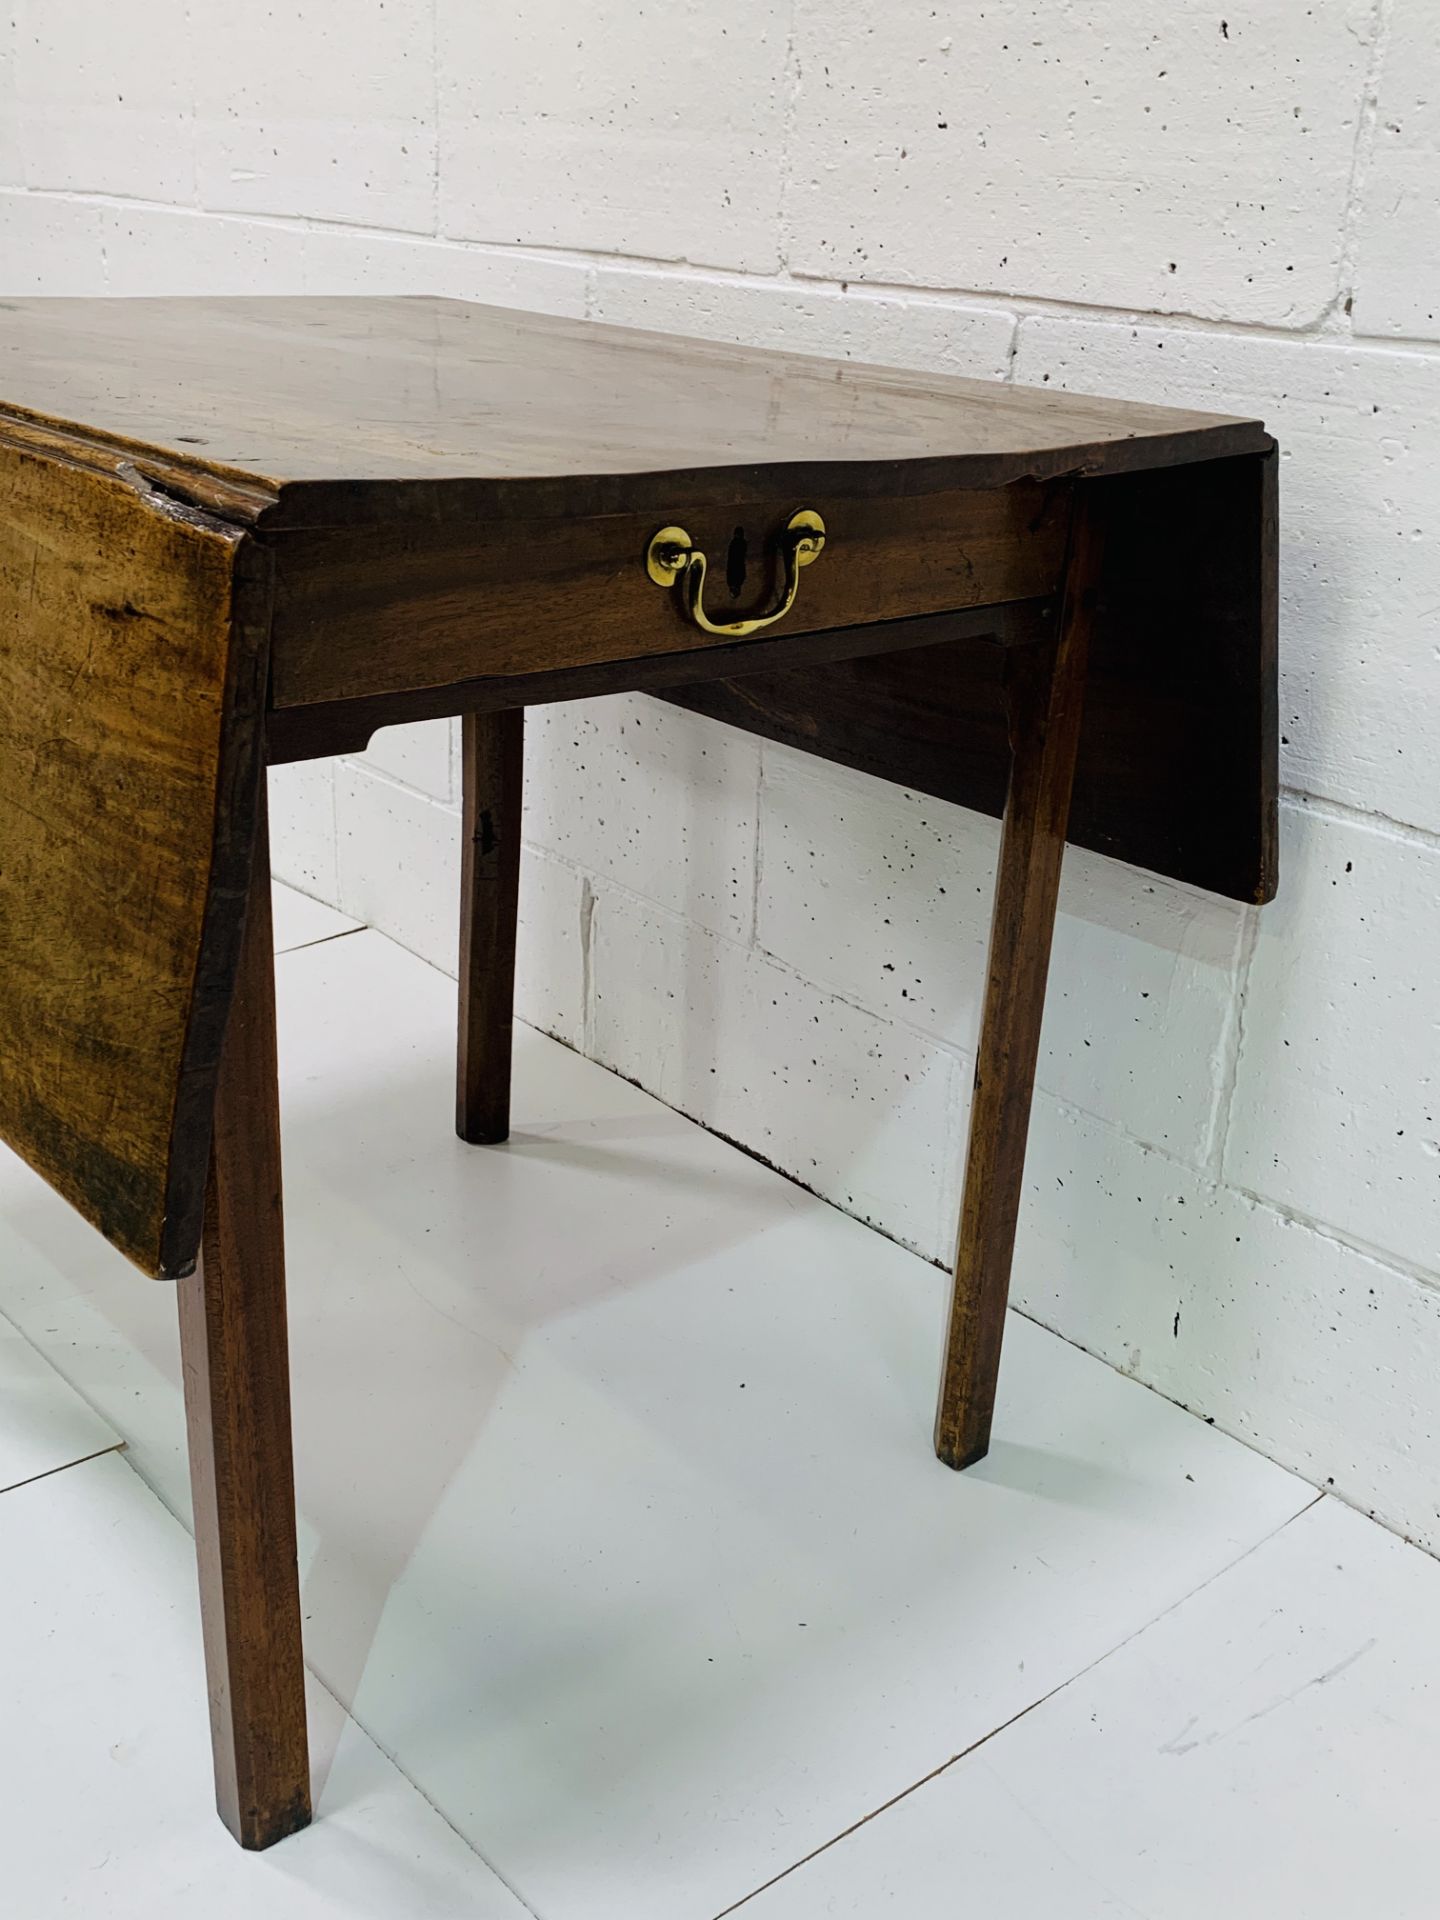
<point x="370" y="610"/>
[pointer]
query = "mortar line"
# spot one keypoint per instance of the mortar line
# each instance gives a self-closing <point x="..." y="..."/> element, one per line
<point x="757" y="854"/>
<point x="1366" y="118"/>
<point x="1344" y="814"/>
<point x="791" y="82"/>
<point x="1231" y="1041"/>
<point x="987" y="300"/>
<point x="435" y="121"/>
<point x="587" y="967"/>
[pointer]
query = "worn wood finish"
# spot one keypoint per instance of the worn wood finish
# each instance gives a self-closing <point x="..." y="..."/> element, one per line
<point x="1177" y="763"/>
<point x="237" y="1405"/>
<point x="132" y="635"/>
<point x="370" y="410"/>
<point x="403" y="607"/>
<point x="347" y="726"/>
<point x="233" y="527"/>
<point x="1045" y="694"/>
<point x="492" y="761"/>
<point x="417" y="501"/>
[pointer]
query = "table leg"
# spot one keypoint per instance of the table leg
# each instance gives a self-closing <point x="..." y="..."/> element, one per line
<point x="237" y="1402"/>
<point x="492" y="756"/>
<point x="1044" y="693"/>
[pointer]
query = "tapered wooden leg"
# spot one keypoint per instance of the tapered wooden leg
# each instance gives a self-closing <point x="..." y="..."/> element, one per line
<point x="237" y="1404"/>
<point x="493" y="751"/>
<point x="1044" y="688"/>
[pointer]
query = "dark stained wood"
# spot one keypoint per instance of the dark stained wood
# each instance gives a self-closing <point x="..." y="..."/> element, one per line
<point x="375" y="610"/>
<point x="132" y="636"/>
<point x="1252" y="767"/>
<point x="236" y="527"/>
<point x="454" y="497"/>
<point x="1177" y="764"/>
<point x="1177" y="768"/>
<point x="371" y="409"/>
<point x="237" y="1405"/>
<point x="1045" y="689"/>
<point x="492" y="761"/>
<point x="346" y="726"/>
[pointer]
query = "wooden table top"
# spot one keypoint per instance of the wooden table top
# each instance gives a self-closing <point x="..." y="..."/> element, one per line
<point x="222" y="517"/>
<point x="321" y="405"/>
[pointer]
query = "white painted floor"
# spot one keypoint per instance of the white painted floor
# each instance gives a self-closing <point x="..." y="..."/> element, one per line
<point x="623" y="1547"/>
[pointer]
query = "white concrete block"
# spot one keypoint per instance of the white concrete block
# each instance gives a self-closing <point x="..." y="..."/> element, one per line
<point x="50" y="245"/>
<point x="400" y="872"/>
<point x="1106" y="1244"/>
<point x="1397" y="216"/>
<point x="420" y="755"/>
<point x="399" y="858"/>
<point x="885" y="897"/>
<point x="175" y="250"/>
<point x="325" y="110"/>
<point x="302" y="828"/>
<point x="106" y="97"/>
<point x="550" y="952"/>
<point x="857" y="1109"/>
<point x="1186" y="161"/>
<point x="655" y="799"/>
<point x="1319" y="1356"/>
<point x="171" y="250"/>
<point x="1359" y="532"/>
<point x="12" y="169"/>
<point x="898" y="330"/>
<point x="1337" y="1095"/>
<point x="596" y="125"/>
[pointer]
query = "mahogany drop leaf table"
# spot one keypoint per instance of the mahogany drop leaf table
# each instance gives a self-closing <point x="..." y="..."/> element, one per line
<point x="240" y="532"/>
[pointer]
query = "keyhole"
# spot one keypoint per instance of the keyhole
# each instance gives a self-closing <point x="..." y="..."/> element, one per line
<point x="735" y="564"/>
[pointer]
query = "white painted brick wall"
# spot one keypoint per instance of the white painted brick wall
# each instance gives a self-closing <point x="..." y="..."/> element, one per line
<point x="340" y="125"/>
<point x="1397" y="214"/>
<point x="660" y="802"/>
<point x="1168" y="159"/>
<point x="1234" y="1187"/>
<point x="614" y="127"/>
<point x="884" y="897"/>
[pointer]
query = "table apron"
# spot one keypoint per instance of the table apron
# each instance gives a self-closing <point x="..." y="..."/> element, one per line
<point x="362" y="611"/>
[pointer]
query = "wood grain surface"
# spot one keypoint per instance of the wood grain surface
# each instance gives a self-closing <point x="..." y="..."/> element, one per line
<point x="347" y="726"/>
<point x="1177" y="768"/>
<point x="235" y="1362"/>
<point x="356" y="409"/>
<point x="1044" y="699"/>
<point x="396" y="608"/>
<point x="130" y="685"/>
<point x="442" y="508"/>
<point x="492" y="759"/>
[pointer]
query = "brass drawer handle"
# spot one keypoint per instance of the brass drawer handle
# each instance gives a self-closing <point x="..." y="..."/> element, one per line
<point x="672" y="555"/>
